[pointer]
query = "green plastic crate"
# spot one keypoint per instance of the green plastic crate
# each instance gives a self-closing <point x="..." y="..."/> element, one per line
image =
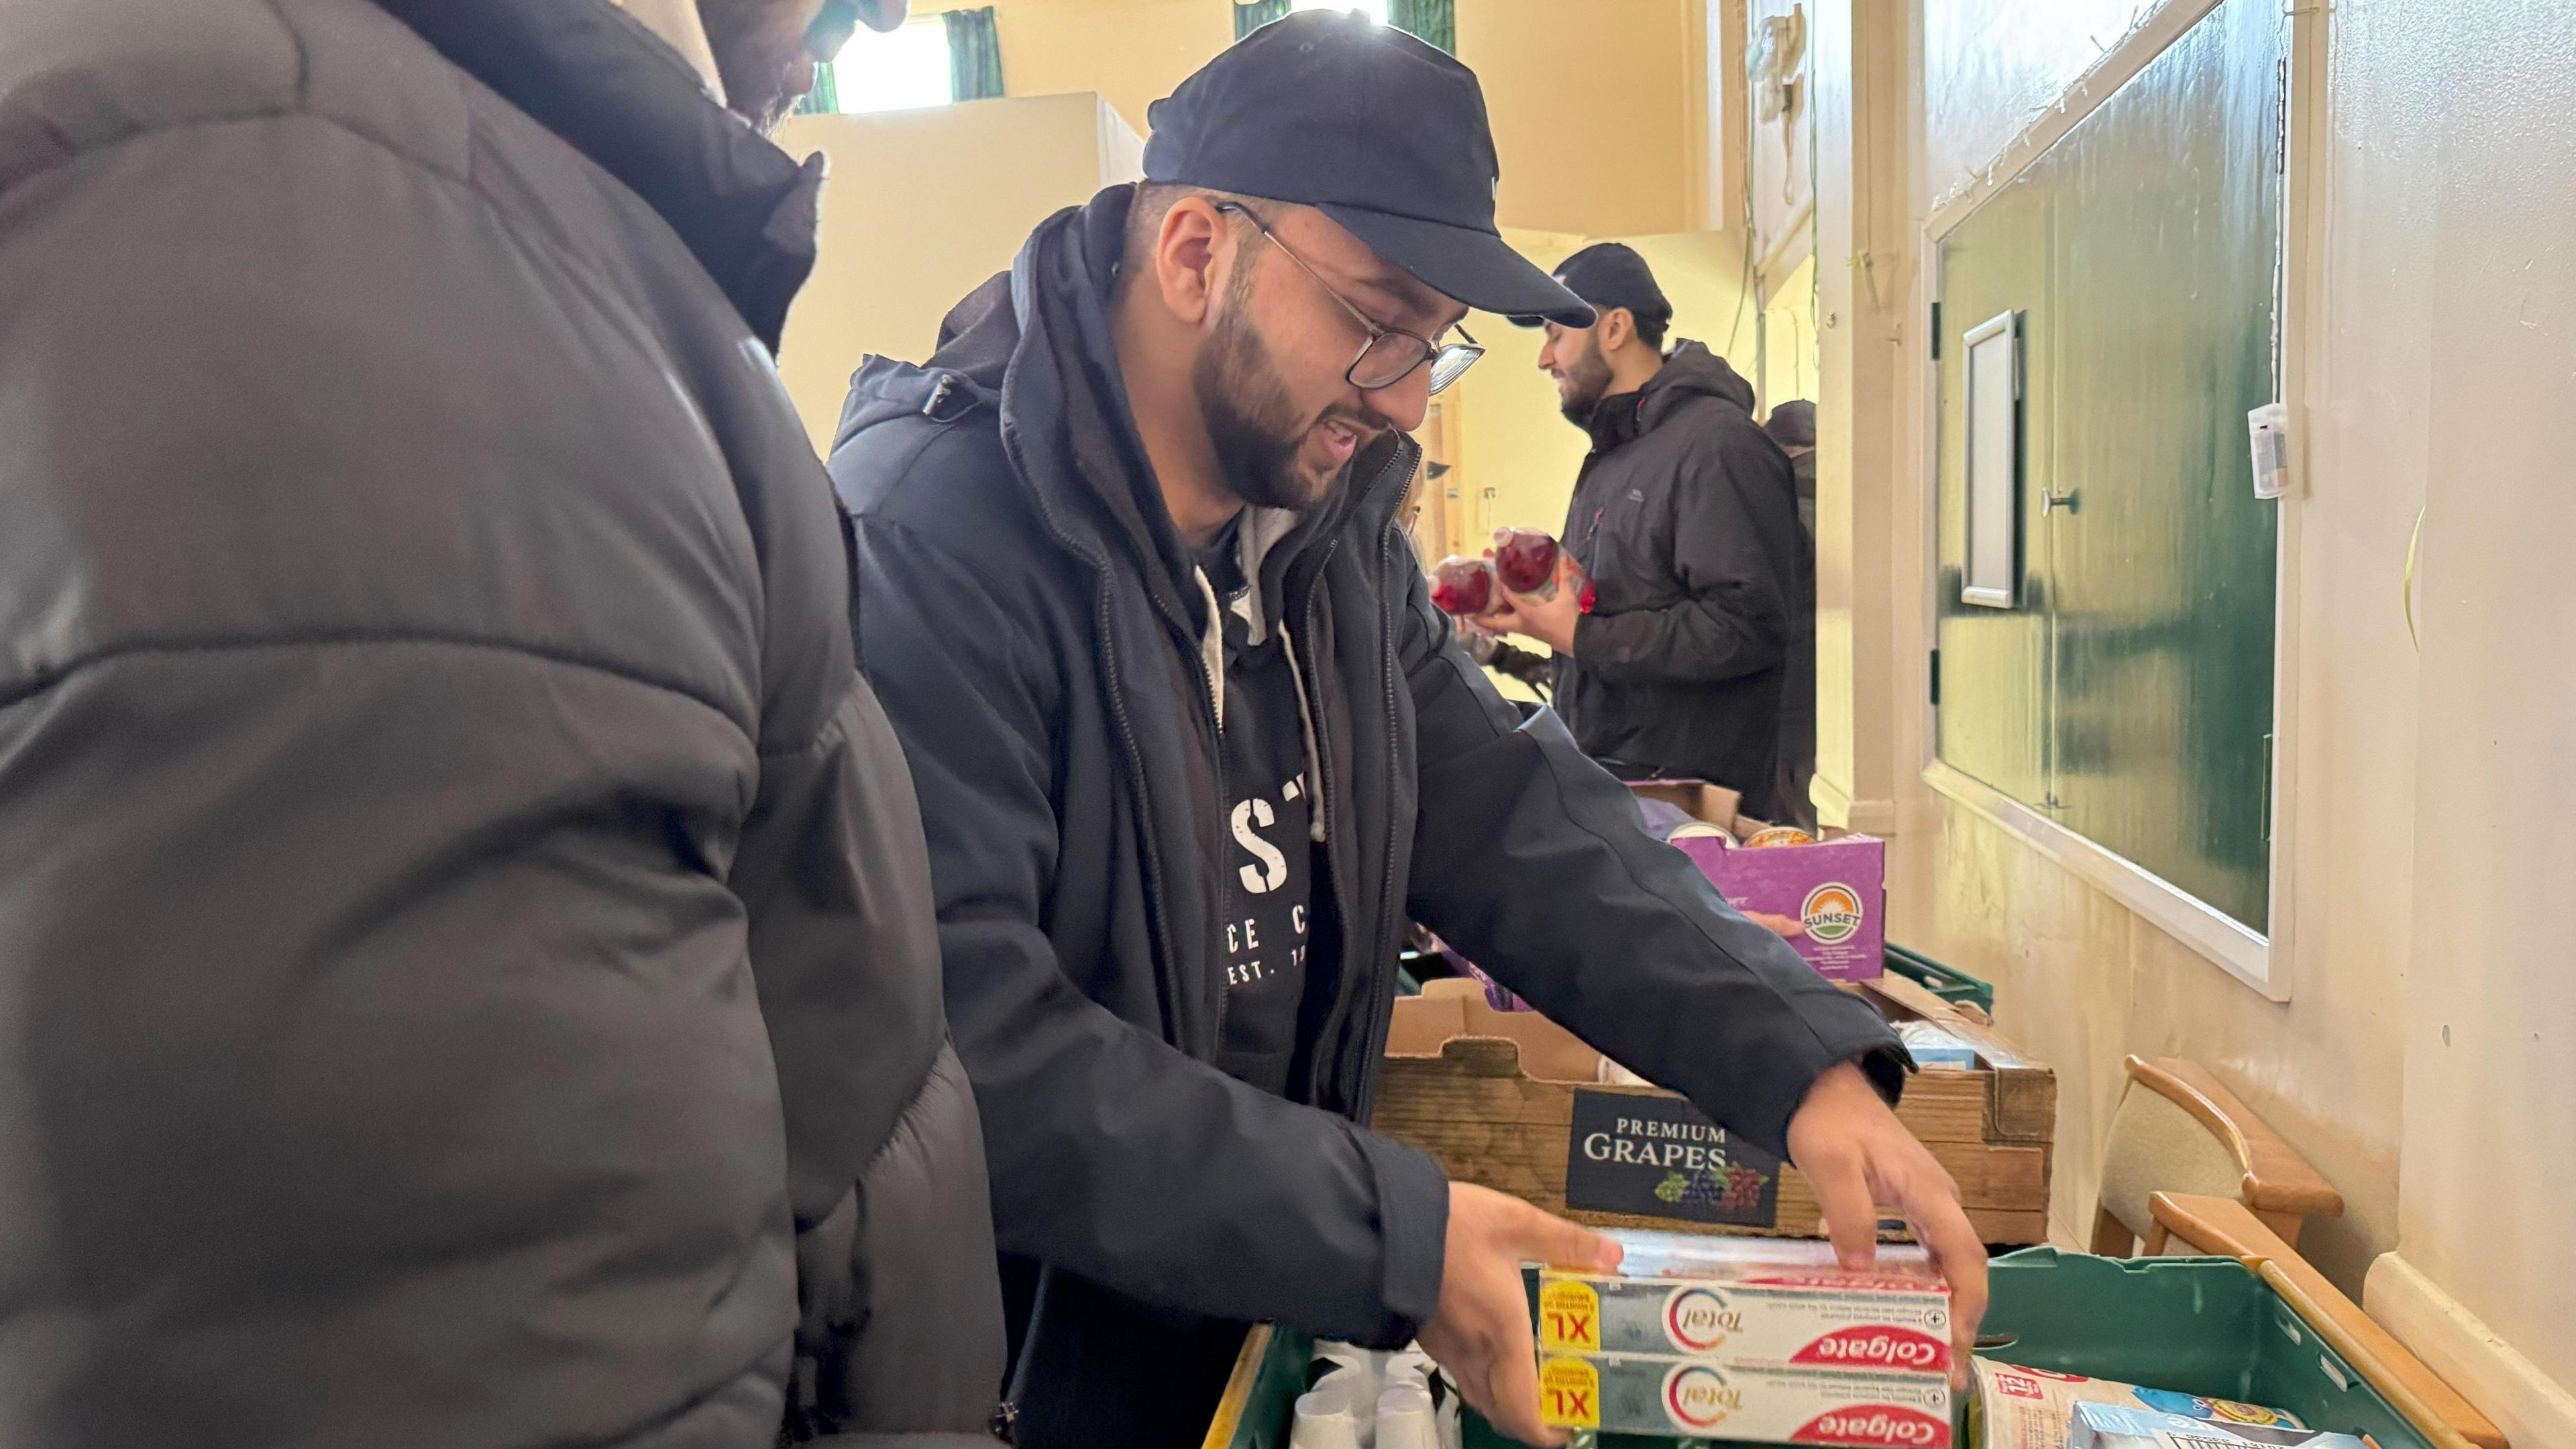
<point x="1947" y="982"/>
<point x="2208" y="1326"/>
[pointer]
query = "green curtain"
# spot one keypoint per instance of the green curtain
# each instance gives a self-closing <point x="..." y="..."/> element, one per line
<point x="1249" y="18"/>
<point x="1434" y="20"/>
<point x="823" y="100"/>
<point x="974" y="55"/>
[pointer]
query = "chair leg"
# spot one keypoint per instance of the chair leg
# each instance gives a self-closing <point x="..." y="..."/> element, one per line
<point x="2157" y="1236"/>
<point x="2111" y="1237"/>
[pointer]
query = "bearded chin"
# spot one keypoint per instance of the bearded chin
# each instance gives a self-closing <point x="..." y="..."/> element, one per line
<point x="1250" y="422"/>
<point x="1591" y="379"/>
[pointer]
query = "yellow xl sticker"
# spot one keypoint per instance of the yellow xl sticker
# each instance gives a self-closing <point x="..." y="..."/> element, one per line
<point x="1569" y="1393"/>
<point x="1569" y="1315"/>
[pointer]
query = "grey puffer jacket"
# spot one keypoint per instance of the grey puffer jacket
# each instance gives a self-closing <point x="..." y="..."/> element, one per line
<point x="461" y="916"/>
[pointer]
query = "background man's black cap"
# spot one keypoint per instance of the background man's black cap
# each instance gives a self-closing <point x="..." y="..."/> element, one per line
<point x="1373" y="128"/>
<point x="1607" y="275"/>
<point x="1793" y="424"/>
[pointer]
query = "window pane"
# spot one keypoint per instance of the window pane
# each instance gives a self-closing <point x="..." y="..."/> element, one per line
<point x="900" y="71"/>
<point x="1373" y="9"/>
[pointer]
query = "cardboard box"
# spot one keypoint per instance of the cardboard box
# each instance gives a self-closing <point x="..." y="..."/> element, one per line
<point x="2026" y="1408"/>
<point x="1514" y="1102"/>
<point x="2116" y="1426"/>
<point x="1829" y="899"/>
<point x="1693" y="1398"/>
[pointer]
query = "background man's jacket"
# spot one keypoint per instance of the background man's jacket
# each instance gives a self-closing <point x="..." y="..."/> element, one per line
<point x="1685" y="517"/>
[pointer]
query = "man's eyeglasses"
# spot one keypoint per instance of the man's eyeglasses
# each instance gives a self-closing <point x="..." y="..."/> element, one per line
<point x="1390" y="355"/>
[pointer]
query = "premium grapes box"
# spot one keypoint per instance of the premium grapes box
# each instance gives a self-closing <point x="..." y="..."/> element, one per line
<point x="1756" y="1309"/>
<point x="1688" y="1398"/>
<point x="1512" y="1101"/>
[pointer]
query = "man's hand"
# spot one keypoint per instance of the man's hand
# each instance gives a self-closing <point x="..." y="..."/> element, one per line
<point x="1857" y="1155"/>
<point x="1549" y="621"/>
<point x="1481" y="1332"/>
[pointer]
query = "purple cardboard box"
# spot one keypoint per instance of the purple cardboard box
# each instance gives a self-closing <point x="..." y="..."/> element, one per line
<point x="1829" y="899"/>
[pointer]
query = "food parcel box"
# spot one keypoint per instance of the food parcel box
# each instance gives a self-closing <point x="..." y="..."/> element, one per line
<point x="1829" y="898"/>
<point x="1511" y="1101"/>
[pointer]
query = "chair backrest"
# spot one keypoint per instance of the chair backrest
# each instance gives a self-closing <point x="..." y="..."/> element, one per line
<point x="2179" y="1129"/>
<point x="2157" y="1146"/>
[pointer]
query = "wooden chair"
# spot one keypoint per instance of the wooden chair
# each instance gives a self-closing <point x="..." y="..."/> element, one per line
<point x="2229" y="1228"/>
<point x="2177" y="1130"/>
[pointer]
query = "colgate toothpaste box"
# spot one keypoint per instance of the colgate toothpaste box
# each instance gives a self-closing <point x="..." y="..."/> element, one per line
<point x="1766" y="1302"/>
<point x="1830" y="1320"/>
<point x="1829" y="898"/>
<point x="1689" y="1398"/>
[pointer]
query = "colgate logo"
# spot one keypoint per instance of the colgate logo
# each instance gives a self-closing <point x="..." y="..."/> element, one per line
<point x="1888" y="1424"/>
<point x="1890" y="1347"/>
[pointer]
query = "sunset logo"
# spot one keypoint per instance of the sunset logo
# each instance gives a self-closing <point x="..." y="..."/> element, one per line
<point x="1832" y="913"/>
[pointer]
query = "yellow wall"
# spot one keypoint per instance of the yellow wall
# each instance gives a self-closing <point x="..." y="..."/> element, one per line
<point x="921" y="207"/>
<point x="1592" y="120"/>
<point x="1591" y="110"/>
<point x="1132" y="52"/>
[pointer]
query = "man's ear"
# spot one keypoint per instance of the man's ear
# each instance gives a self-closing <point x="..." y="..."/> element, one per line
<point x="1192" y="252"/>
<point x="1618" y="327"/>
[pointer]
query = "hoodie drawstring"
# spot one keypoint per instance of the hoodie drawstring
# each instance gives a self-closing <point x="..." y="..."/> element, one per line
<point x="1212" y="655"/>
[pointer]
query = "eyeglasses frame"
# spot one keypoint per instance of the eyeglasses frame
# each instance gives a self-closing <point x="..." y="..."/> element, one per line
<point x="1432" y="352"/>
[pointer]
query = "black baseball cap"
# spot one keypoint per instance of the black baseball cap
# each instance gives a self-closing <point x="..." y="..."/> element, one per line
<point x="1607" y="275"/>
<point x="1370" y="126"/>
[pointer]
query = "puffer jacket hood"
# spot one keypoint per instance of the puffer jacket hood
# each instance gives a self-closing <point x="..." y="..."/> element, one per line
<point x="1689" y="370"/>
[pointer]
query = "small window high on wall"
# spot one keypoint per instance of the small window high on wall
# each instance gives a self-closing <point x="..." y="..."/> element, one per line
<point x="904" y="69"/>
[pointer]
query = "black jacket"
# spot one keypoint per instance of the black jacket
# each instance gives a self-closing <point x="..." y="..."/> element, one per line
<point x="1685" y="517"/>
<point x="1033" y="623"/>
<point x="464" y="914"/>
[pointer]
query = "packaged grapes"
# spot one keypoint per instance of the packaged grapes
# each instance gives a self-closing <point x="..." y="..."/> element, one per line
<point x="1464" y="587"/>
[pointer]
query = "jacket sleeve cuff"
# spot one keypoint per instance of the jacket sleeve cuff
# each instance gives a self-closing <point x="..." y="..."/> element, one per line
<point x="1413" y="1231"/>
<point x="1841" y="1029"/>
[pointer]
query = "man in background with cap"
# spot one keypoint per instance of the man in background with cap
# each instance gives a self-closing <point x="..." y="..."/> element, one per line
<point x="1192" y="747"/>
<point x="1683" y="552"/>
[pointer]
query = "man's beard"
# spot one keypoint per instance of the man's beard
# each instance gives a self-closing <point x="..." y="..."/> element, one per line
<point x="1250" y="422"/>
<point x="1587" y="381"/>
<point x="753" y="54"/>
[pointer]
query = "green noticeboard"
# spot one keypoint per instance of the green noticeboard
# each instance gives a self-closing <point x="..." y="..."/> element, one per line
<point x="2126" y="692"/>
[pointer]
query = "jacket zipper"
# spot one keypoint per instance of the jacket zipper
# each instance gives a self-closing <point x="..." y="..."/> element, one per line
<point x="1373" y="1040"/>
<point x="1354" y="1083"/>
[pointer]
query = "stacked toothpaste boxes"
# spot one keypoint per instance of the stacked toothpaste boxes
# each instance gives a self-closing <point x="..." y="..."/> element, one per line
<point x="1758" y="1339"/>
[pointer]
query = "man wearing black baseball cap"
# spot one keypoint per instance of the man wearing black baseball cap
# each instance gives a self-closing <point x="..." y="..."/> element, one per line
<point x="1691" y="582"/>
<point x="1192" y="748"/>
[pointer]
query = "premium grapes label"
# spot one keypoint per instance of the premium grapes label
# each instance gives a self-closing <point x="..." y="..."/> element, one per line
<point x="1658" y="1157"/>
